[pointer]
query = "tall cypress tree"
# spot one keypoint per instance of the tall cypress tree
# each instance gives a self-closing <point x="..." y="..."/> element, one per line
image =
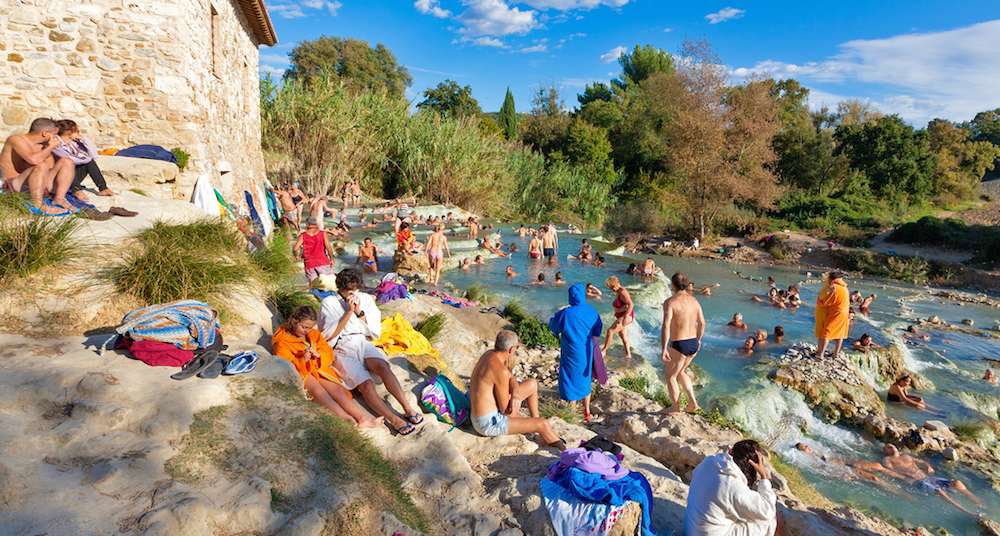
<point x="508" y="117"/>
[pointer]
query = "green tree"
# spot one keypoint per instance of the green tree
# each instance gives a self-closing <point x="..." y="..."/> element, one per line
<point x="642" y="63"/>
<point x="547" y="101"/>
<point x="508" y="117"/>
<point x="897" y="159"/>
<point x="450" y="99"/>
<point x="597" y="91"/>
<point x="587" y="146"/>
<point x="986" y="126"/>
<point x="961" y="162"/>
<point x="353" y="61"/>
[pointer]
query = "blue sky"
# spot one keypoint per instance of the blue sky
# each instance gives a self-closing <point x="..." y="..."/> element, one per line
<point x="918" y="58"/>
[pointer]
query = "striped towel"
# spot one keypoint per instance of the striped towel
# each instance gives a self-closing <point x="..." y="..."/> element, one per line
<point x="187" y="324"/>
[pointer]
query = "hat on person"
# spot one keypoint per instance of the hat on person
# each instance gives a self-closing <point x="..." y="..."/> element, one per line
<point x="391" y="276"/>
<point x="225" y="166"/>
<point x="324" y="282"/>
<point x="312" y="221"/>
<point x="837" y="274"/>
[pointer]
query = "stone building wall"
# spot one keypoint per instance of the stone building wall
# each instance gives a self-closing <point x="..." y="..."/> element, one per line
<point x="139" y="72"/>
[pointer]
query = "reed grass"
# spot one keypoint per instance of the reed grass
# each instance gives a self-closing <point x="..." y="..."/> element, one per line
<point x="29" y="243"/>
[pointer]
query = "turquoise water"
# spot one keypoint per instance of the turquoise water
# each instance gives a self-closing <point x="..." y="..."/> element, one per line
<point x="952" y="361"/>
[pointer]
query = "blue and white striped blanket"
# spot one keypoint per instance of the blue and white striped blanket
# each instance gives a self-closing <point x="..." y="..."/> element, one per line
<point x="187" y="324"/>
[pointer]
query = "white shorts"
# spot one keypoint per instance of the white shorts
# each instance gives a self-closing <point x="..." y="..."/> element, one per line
<point x="350" y="354"/>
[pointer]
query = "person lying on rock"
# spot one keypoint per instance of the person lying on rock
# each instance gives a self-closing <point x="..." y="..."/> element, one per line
<point x="84" y="156"/>
<point x="492" y="386"/>
<point x="27" y="164"/>
<point x="300" y="343"/>
<point x="731" y="493"/>
<point x="350" y="320"/>
<point x="918" y="473"/>
<point x="851" y="469"/>
<point x="898" y="392"/>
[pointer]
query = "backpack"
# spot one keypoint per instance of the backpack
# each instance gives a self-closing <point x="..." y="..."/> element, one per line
<point x="445" y="401"/>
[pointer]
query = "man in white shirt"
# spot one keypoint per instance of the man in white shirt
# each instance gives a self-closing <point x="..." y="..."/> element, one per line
<point x="350" y="320"/>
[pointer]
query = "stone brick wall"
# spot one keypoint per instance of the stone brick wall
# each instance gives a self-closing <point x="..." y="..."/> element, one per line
<point x="139" y="71"/>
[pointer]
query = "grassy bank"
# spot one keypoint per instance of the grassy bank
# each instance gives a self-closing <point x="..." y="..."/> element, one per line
<point x="982" y="240"/>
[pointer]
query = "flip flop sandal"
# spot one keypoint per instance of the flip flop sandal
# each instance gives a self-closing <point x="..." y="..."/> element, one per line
<point x="199" y="363"/>
<point x="241" y="363"/>
<point x="558" y="444"/>
<point x="415" y="419"/>
<point x="216" y="368"/>
<point x="119" y="211"/>
<point x="406" y="429"/>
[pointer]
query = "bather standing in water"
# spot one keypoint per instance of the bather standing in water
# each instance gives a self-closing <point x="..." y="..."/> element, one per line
<point x="680" y="341"/>
<point x="437" y="246"/>
<point x="624" y="315"/>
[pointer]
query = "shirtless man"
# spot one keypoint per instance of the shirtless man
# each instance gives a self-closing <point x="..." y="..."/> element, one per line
<point x="550" y="244"/>
<point x="473" y="228"/>
<point x="318" y="208"/>
<point x="535" y="248"/>
<point x="866" y="304"/>
<point x="27" y="163"/>
<point x="586" y="251"/>
<point x="680" y="340"/>
<point x="522" y="231"/>
<point x="356" y="192"/>
<point x="289" y="210"/>
<point x="918" y="473"/>
<point x="496" y="396"/>
<point x="737" y="322"/>
<point x="437" y="246"/>
<point x="368" y="255"/>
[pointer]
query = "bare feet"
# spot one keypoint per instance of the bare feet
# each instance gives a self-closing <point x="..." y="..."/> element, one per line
<point x="672" y="410"/>
<point x="693" y="408"/>
<point x="49" y="210"/>
<point x="107" y="192"/>
<point x="81" y="195"/>
<point x="63" y="204"/>
<point x="371" y="423"/>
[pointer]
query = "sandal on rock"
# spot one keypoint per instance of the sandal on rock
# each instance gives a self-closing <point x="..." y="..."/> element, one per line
<point x="406" y="429"/>
<point x="558" y="444"/>
<point x="216" y="368"/>
<point x="415" y="419"/>
<point x="197" y="364"/>
<point x="119" y="211"/>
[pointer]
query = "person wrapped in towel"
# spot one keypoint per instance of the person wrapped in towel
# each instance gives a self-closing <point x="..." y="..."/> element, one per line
<point x="350" y="320"/>
<point x="576" y="326"/>
<point x="833" y="313"/>
<point x="300" y="343"/>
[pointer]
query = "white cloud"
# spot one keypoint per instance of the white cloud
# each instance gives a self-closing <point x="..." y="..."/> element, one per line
<point x="287" y="11"/>
<point x="273" y="71"/>
<point x="724" y="14"/>
<point x="668" y="30"/>
<point x="950" y="74"/>
<point x="613" y="54"/>
<point x="431" y="7"/>
<point x="333" y="7"/>
<point x="541" y="47"/>
<point x="495" y="18"/>
<point x="567" y="5"/>
<point x="488" y="42"/>
<point x="433" y="71"/>
<point x="274" y="59"/>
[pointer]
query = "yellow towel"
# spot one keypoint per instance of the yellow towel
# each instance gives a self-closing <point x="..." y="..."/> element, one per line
<point x="399" y="337"/>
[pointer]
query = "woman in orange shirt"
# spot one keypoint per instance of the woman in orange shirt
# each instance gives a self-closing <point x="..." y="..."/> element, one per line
<point x="300" y="343"/>
<point x="833" y="313"/>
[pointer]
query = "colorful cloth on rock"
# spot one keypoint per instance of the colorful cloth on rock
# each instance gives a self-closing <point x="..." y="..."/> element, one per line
<point x="573" y="516"/>
<point x="187" y="324"/>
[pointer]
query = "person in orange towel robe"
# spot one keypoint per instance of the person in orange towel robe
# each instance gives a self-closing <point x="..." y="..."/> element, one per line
<point x="833" y="310"/>
<point x="300" y="343"/>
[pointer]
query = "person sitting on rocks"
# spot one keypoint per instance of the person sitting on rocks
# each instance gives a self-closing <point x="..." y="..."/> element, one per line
<point x="918" y="473"/>
<point x="649" y="267"/>
<point x="27" y="164"/>
<point x="730" y="494"/>
<point x="406" y="242"/>
<point x="350" y="319"/>
<point x="737" y="322"/>
<point x="300" y="343"/>
<point x="898" y="393"/>
<point x="84" y="156"/>
<point x="989" y="377"/>
<point x="864" y="343"/>
<point x="779" y="334"/>
<point x="496" y="396"/>
<point x="749" y="345"/>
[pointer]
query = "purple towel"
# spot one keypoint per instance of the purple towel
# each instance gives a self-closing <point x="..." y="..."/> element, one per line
<point x="590" y="461"/>
<point x="600" y="369"/>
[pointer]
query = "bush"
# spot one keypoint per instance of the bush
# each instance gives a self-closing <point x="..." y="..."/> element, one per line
<point x="182" y="157"/>
<point x="29" y="244"/>
<point x="203" y="260"/>
<point x="287" y="298"/>
<point x="807" y="211"/>
<point x="478" y="294"/>
<point x="561" y="409"/>
<point x="532" y="331"/>
<point x="275" y="261"/>
<point x="911" y="269"/>
<point x="951" y="233"/>
<point x="431" y="326"/>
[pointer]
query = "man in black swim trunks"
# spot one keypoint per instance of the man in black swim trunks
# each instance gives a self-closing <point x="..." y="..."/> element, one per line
<point x="549" y="243"/>
<point x="683" y="328"/>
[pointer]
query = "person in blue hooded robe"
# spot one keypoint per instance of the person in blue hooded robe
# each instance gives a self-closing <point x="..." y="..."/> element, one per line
<point x="576" y="326"/>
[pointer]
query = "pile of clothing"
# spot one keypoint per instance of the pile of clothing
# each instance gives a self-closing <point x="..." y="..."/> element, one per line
<point x="391" y="288"/>
<point x="447" y="299"/>
<point x="587" y="489"/>
<point x="180" y="334"/>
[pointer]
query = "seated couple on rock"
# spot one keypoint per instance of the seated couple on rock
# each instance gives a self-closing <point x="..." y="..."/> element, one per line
<point x="52" y="160"/>
<point x="496" y="396"/>
<point x="333" y="354"/>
